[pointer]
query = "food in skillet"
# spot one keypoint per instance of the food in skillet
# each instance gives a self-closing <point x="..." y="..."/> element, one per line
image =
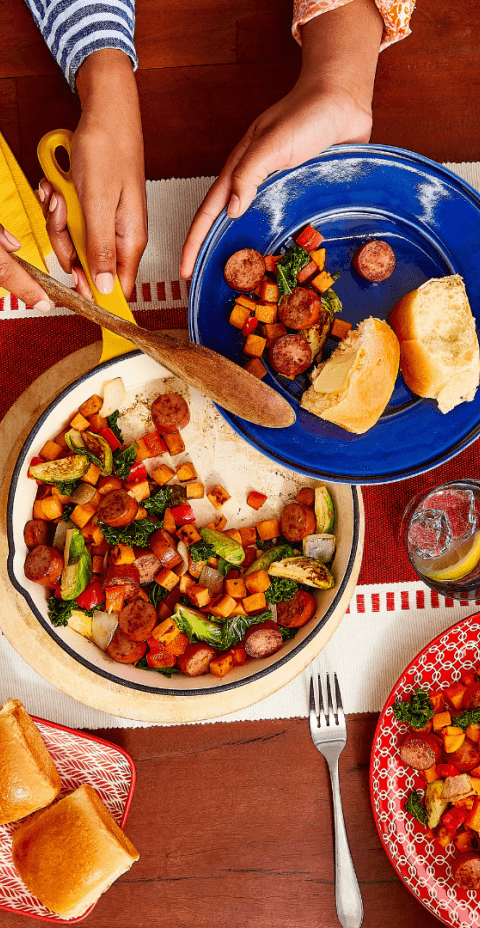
<point x="443" y="746"/>
<point x="114" y="539"/>
<point x="289" y="313"/>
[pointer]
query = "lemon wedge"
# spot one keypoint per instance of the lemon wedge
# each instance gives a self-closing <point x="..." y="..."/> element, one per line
<point x="459" y="569"/>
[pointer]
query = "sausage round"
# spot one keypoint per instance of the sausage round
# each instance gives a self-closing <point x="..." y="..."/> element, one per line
<point x="466" y="870"/>
<point x="44" y="565"/>
<point x="466" y="757"/>
<point x="36" y="533"/>
<point x="196" y="659"/>
<point x="137" y="620"/>
<point x="124" y="650"/>
<point x="290" y="355"/>
<point x="297" y="611"/>
<point x="299" y="309"/>
<point x="123" y="574"/>
<point x="374" y="260"/>
<point x="117" y="509"/>
<point x="244" y="270"/>
<point x="170" y="413"/>
<point x="263" y="639"/>
<point x="420" y="751"/>
<point x="296" y="521"/>
<point x="148" y="565"/>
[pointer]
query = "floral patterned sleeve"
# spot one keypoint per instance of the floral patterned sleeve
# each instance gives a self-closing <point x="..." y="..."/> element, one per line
<point x="396" y="16"/>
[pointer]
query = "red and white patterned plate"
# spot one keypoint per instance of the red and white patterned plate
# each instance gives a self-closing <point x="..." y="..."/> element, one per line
<point x="421" y="864"/>
<point x="79" y="759"/>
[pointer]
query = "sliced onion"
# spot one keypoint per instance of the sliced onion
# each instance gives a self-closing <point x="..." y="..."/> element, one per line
<point x="182" y="568"/>
<point x="212" y="579"/>
<point x="273" y="610"/>
<point x="103" y="628"/>
<point x="68" y="541"/>
<point x="83" y="494"/>
<point x="113" y="396"/>
<point x="60" y="535"/>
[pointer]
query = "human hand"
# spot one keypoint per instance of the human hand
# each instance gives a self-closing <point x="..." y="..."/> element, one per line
<point x="15" y="279"/>
<point x="108" y="172"/>
<point x="331" y="103"/>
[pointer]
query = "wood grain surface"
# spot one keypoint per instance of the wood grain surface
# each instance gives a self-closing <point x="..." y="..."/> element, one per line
<point x="233" y="821"/>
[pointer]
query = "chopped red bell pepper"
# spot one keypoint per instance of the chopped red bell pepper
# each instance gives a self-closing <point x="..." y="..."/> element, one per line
<point x="453" y="818"/>
<point x="137" y="473"/>
<point x="114" y="597"/>
<point x="249" y="325"/>
<point x="155" y="645"/>
<point x="33" y="462"/>
<point x="155" y="443"/>
<point x="183" y="514"/>
<point x="159" y="659"/>
<point x="446" y="770"/>
<point x="309" y="239"/>
<point x="91" y="596"/>
<point x="239" y="654"/>
<point x="111" y="438"/>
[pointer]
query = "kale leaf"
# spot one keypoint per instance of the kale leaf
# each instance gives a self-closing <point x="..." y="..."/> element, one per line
<point x="157" y="504"/>
<point x="471" y="717"/>
<point x="201" y="551"/>
<point x="235" y="627"/>
<point x="136" y="533"/>
<point x="67" y="511"/>
<point x="59" y="611"/>
<point x="66" y="487"/>
<point x="414" y="807"/>
<point x="113" y="425"/>
<point x="156" y="593"/>
<point x="294" y="259"/>
<point x="123" y="460"/>
<point x="280" y="591"/>
<point x="416" y="712"/>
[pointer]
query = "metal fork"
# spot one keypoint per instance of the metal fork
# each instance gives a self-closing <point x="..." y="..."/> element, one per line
<point x="329" y="735"/>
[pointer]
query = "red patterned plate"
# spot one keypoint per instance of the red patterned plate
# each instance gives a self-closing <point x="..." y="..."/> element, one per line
<point x="79" y="759"/>
<point x="421" y="864"/>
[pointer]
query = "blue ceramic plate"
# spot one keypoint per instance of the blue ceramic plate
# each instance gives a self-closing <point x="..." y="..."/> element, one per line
<point x="431" y="218"/>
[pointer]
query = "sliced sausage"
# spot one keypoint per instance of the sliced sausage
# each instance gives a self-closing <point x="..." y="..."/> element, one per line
<point x="148" y="565"/>
<point x="420" y="751"/>
<point x="297" y="611"/>
<point x="299" y="309"/>
<point x="117" y="508"/>
<point x="164" y="547"/>
<point x="35" y="533"/>
<point x="244" y="270"/>
<point x="124" y="650"/>
<point x="44" y="565"/>
<point x="466" y="870"/>
<point x="170" y="413"/>
<point x="471" y="696"/>
<point x="374" y="260"/>
<point x="296" y="521"/>
<point x="123" y="574"/>
<point x="263" y="639"/>
<point x="466" y="757"/>
<point x="137" y="620"/>
<point x="290" y="355"/>
<point x="196" y="659"/>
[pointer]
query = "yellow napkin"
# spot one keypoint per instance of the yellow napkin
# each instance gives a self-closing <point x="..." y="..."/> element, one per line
<point x="20" y="211"/>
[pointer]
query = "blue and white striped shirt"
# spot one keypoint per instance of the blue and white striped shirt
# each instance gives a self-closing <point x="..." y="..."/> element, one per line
<point x="73" y="29"/>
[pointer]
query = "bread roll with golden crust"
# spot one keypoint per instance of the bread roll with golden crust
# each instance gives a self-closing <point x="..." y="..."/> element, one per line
<point x="438" y="342"/>
<point x="29" y="779"/>
<point x="353" y="387"/>
<point x="69" y="854"/>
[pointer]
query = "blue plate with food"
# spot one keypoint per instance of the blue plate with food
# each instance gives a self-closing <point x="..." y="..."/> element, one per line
<point x="392" y="226"/>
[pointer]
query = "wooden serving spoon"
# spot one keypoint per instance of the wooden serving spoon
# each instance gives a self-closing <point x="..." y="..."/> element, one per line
<point x="211" y="374"/>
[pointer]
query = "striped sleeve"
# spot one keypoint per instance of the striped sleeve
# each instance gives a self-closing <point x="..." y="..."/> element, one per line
<point x="396" y="16"/>
<point x="73" y="29"/>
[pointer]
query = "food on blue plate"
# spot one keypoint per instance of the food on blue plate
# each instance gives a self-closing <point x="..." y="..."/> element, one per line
<point x="353" y="387"/>
<point x="374" y="260"/>
<point x="438" y="342"/>
<point x="126" y="565"/>
<point x="29" y="779"/>
<point x="244" y="270"/>
<point x="72" y="852"/>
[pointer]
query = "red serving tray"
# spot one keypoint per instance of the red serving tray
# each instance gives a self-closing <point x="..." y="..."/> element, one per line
<point x="80" y="759"/>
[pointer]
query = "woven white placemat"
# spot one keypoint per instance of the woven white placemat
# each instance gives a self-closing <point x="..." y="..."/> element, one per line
<point x="386" y="624"/>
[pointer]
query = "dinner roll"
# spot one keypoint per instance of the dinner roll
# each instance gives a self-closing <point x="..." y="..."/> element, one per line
<point x="29" y="779"/>
<point x="69" y="854"/>
<point x="355" y="384"/>
<point x="438" y="342"/>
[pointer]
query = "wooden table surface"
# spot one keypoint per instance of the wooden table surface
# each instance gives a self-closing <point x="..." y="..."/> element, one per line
<point x="234" y="821"/>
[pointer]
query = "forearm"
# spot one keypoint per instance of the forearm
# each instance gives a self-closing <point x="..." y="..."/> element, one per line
<point x="340" y="50"/>
<point x="105" y="80"/>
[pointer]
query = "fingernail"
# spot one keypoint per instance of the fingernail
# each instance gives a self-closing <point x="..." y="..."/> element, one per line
<point x="53" y="204"/>
<point x="43" y="306"/>
<point x="41" y="193"/>
<point x="74" y="276"/>
<point x="233" y="206"/>
<point x="104" y="282"/>
<point x="11" y="238"/>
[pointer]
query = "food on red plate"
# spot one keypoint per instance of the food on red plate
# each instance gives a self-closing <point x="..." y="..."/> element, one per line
<point x="126" y="565"/>
<point x="374" y="260"/>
